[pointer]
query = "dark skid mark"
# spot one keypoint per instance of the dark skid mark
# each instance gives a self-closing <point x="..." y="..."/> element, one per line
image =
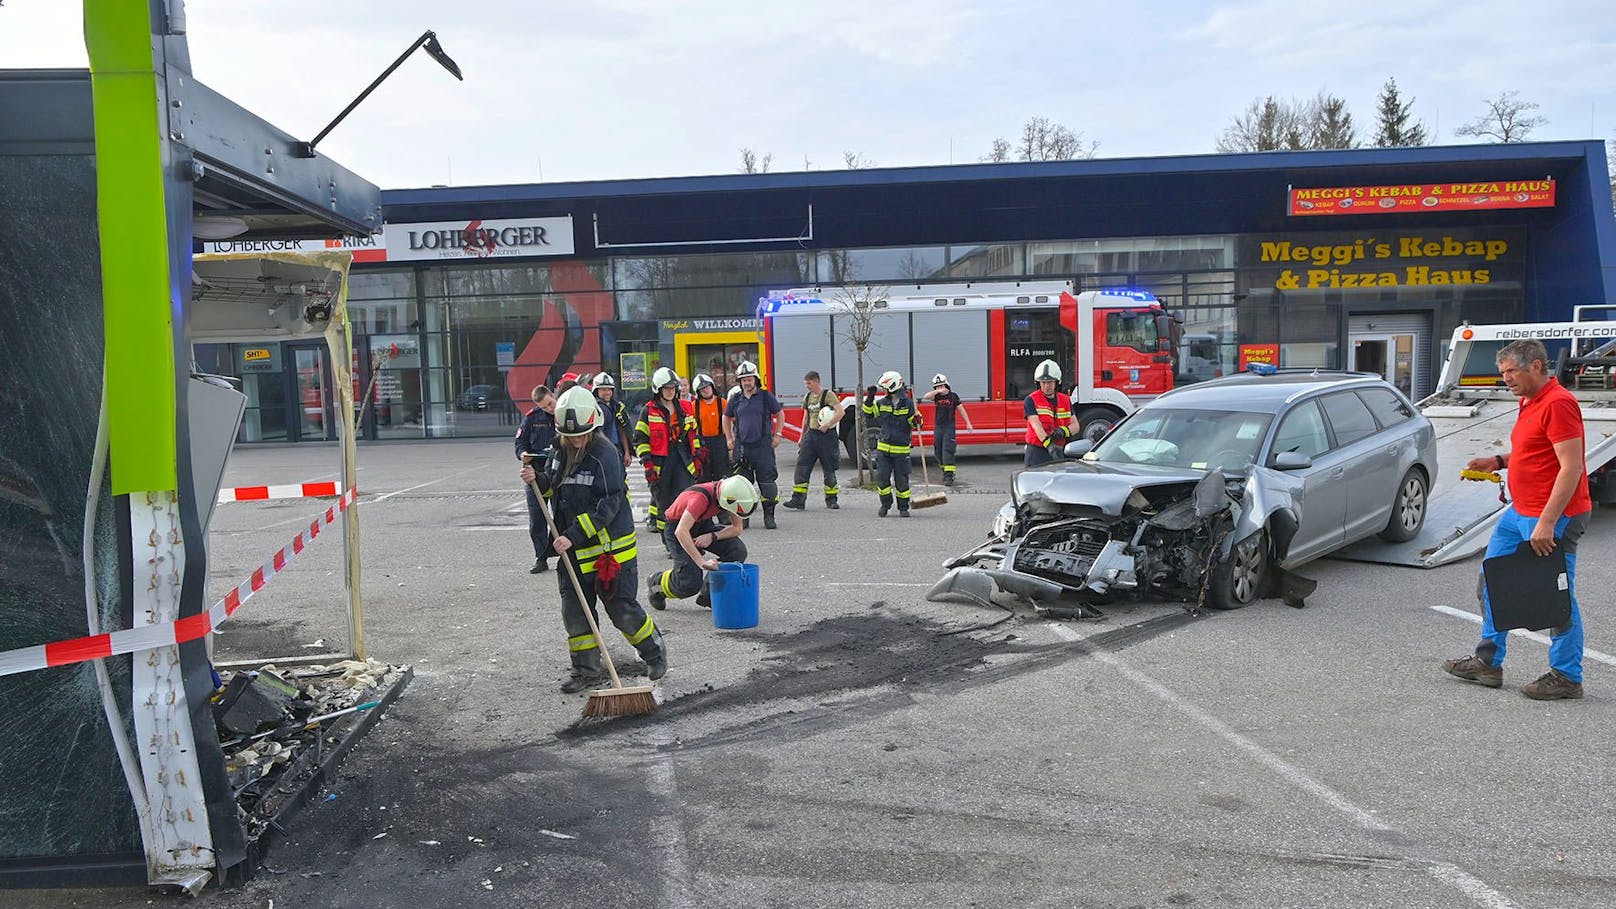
<point x="849" y="655"/>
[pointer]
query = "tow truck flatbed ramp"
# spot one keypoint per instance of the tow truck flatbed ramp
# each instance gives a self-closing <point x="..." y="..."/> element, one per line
<point x="1460" y="514"/>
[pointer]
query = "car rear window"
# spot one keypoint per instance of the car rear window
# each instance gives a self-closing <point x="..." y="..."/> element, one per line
<point x="1349" y="417"/>
<point x="1388" y="407"/>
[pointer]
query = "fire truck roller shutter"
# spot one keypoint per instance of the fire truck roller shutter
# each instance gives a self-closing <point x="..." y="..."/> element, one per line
<point x="889" y="349"/>
<point x="801" y="343"/>
<point x="955" y="343"/>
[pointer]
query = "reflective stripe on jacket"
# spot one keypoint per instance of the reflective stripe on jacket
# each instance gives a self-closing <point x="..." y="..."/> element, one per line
<point x="895" y="416"/>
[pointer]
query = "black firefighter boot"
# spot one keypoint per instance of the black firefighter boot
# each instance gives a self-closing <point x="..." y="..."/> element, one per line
<point x="798" y="501"/>
<point x="830" y="502"/>
<point x="768" y="516"/>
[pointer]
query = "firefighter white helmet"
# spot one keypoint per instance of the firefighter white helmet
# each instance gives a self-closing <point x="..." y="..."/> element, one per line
<point x="576" y="412"/>
<point x="605" y="380"/>
<point x="703" y="380"/>
<point x="747" y="368"/>
<point x="890" y="381"/>
<point x="664" y="377"/>
<point x="1048" y="369"/>
<point x="939" y="380"/>
<point x="826" y="414"/>
<point x="738" y="496"/>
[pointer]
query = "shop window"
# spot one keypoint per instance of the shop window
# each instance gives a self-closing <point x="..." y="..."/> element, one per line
<point x="903" y="263"/>
<point x="775" y="269"/>
<point x="985" y="261"/>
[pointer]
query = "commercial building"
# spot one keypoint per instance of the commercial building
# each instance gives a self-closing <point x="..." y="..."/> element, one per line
<point x="1361" y="259"/>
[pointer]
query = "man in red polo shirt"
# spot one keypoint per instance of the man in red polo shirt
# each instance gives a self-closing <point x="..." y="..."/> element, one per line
<point x="1548" y="483"/>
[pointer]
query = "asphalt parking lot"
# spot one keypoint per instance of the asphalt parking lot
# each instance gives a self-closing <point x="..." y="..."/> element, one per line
<point x="863" y="747"/>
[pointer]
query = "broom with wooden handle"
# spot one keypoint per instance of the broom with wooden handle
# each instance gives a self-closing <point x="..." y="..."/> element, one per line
<point x="618" y="700"/>
<point x="927" y="499"/>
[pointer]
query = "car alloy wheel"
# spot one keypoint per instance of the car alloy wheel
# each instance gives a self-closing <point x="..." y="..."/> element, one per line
<point x="1238" y="580"/>
<point x="1408" y="509"/>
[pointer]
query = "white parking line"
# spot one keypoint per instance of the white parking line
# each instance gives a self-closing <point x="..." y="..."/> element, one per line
<point x="668" y="831"/>
<point x="1445" y="872"/>
<point x="1594" y="655"/>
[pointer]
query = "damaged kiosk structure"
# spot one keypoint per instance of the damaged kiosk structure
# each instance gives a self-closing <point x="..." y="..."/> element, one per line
<point x="111" y="451"/>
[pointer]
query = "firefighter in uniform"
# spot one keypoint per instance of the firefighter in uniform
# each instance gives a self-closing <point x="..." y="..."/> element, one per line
<point x="821" y="411"/>
<point x="694" y="528"/>
<point x="896" y="420"/>
<point x="533" y="440"/>
<point x="584" y="481"/>
<point x="753" y="423"/>
<point x="944" y="441"/>
<point x="1049" y="417"/>
<point x="708" y="409"/>
<point x="618" y="429"/>
<point x="665" y="440"/>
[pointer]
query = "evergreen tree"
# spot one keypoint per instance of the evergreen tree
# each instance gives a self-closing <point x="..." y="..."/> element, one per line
<point x="1396" y="127"/>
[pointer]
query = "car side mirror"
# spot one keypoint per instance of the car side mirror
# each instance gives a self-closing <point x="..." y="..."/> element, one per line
<point x="1292" y="460"/>
<point x="1077" y="448"/>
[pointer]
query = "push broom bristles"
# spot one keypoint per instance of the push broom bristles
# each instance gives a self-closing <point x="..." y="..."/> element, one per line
<point x="928" y="500"/>
<point x="635" y="701"/>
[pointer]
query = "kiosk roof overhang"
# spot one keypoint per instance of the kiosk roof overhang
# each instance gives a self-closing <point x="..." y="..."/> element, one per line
<point x="244" y="165"/>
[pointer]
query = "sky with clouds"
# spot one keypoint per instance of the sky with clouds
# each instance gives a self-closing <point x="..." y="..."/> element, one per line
<point x="594" y="89"/>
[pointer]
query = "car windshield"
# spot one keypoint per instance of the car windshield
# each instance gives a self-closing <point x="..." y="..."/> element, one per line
<point x="1197" y="439"/>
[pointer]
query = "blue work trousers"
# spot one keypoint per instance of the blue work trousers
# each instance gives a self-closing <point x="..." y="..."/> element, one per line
<point x="1565" y="645"/>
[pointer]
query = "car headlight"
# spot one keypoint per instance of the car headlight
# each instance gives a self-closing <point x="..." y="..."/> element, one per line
<point x="1004" y="522"/>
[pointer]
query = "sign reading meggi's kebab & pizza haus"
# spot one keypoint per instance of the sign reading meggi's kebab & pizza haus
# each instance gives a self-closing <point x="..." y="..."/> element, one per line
<point x="1395" y="259"/>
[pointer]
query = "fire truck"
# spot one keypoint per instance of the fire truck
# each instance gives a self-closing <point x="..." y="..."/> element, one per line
<point x="987" y="337"/>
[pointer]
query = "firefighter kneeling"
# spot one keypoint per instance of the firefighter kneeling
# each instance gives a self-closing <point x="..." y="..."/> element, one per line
<point x="588" y="493"/>
<point x="693" y="528"/>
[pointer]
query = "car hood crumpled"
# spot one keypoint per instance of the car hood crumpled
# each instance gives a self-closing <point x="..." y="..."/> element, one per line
<point x="1102" y="486"/>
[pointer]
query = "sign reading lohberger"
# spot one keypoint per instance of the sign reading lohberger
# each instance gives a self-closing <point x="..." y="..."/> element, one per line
<point x="477" y="239"/>
<point x="1443" y="197"/>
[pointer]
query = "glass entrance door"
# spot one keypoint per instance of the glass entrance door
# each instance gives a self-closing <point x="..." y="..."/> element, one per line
<point x="720" y="361"/>
<point x="315" y="414"/>
<point x="1390" y="356"/>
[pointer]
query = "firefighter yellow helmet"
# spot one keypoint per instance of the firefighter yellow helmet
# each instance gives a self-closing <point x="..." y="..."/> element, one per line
<point x="576" y="412"/>
<point x="890" y="381"/>
<point x="1048" y="369"/>
<point x="738" y="496"/>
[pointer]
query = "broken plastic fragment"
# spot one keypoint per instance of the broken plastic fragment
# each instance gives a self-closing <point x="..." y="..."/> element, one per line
<point x="559" y="836"/>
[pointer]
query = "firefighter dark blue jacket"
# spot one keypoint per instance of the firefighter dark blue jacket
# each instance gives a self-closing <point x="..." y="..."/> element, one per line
<point x="590" y="504"/>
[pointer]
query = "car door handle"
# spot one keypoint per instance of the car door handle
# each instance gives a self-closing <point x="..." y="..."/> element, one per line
<point x="1338" y="473"/>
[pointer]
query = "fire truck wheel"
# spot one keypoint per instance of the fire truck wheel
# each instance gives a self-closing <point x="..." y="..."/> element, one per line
<point x="1094" y="422"/>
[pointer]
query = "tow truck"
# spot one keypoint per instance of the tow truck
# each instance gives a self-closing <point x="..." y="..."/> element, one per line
<point x="1473" y="414"/>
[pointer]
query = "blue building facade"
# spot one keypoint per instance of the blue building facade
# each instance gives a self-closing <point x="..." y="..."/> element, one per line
<point x="499" y="288"/>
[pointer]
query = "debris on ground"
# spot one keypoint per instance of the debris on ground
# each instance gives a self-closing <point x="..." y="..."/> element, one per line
<point x="275" y="724"/>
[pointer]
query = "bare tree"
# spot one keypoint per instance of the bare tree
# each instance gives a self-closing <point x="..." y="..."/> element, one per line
<point x="1508" y="119"/>
<point x="752" y="164"/>
<point x="857" y="302"/>
<point x="1331" y="123"/>
<point x="1272" y="124"/>
<point x="1395" y="126"/>
<point x="1044" y="140"/>
<point x="856" y="160"/>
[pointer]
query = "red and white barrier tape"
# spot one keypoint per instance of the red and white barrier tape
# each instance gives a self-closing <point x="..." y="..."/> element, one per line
<point x="146" y="637"/>
<point x="290" y="491"/>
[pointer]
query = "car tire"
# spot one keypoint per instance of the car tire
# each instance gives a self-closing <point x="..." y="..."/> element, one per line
<point x="1238" y="580"/>
<point x="1094" y="422"/>
<point x="1409" y="508"/>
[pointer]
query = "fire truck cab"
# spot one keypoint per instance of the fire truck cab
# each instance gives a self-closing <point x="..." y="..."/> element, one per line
<point x="1114" y="347"/>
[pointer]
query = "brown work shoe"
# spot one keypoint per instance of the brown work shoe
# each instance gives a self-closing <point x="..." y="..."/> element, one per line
<point x="1472" y="669"/>
<point x="1552" y="686"/>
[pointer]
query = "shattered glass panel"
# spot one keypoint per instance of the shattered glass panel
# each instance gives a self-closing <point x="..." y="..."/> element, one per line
<point x="62" y="793"/>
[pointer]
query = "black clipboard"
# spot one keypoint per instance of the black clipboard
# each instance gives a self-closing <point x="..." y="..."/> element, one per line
<point x="1526" y="590"/>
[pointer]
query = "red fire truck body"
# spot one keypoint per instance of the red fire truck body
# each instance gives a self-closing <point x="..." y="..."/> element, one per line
<point x="987" y="338"/>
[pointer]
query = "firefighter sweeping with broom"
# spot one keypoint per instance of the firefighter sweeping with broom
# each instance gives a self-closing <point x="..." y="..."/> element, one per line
<point x="896" y="418"/>
<point x="585" y="484"/>
<point x="699" y="542"/>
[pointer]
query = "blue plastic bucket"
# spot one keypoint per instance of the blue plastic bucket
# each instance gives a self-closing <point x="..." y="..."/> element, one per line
<point x="735" y="595"/>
